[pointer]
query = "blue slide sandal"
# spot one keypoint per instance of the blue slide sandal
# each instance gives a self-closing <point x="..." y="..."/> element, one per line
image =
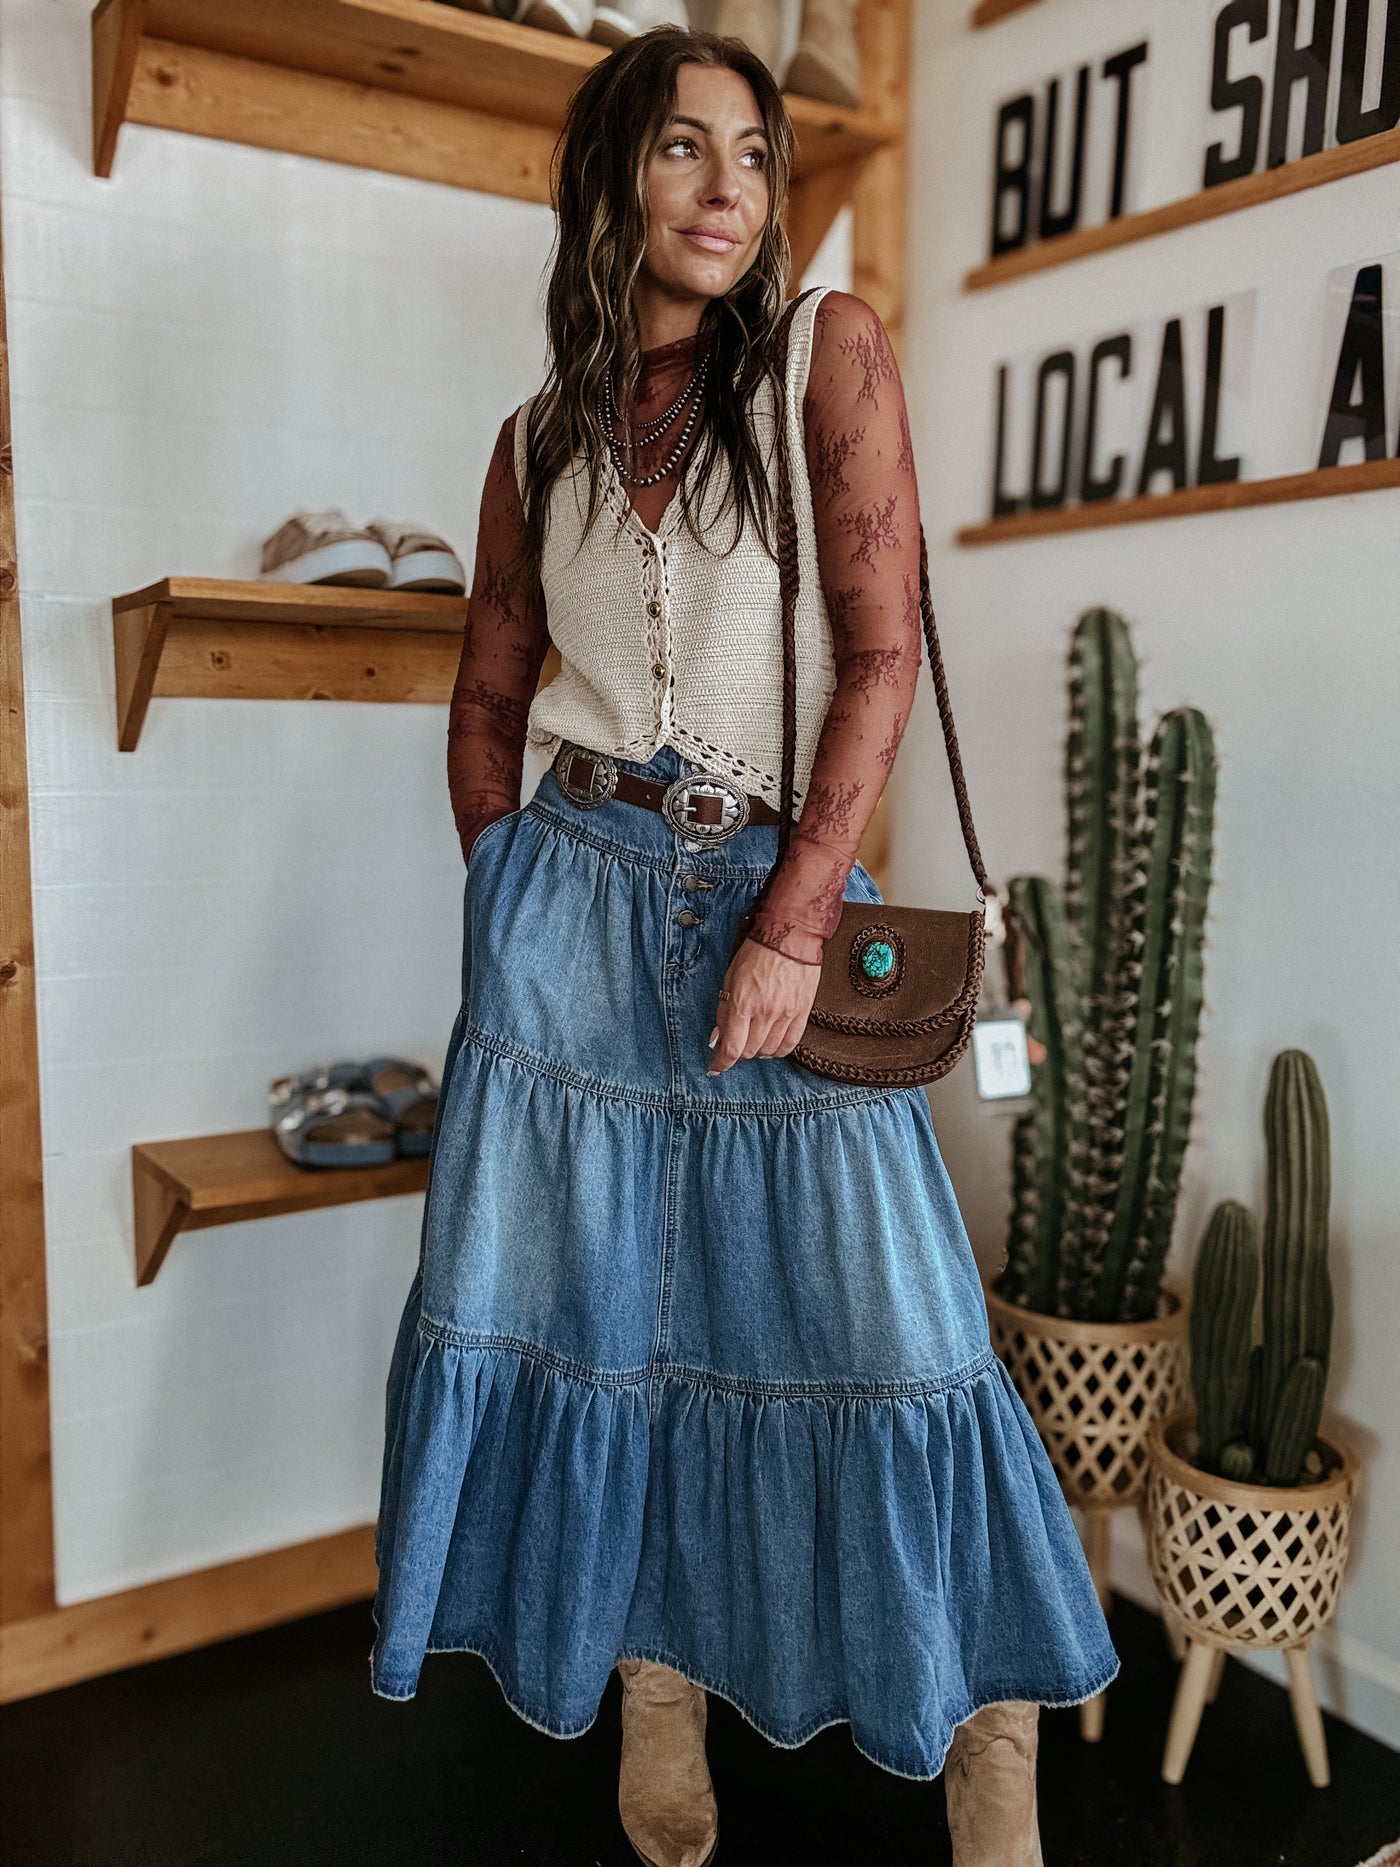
<point x="410" y="1096"/>
<point x="320" y="1119"/>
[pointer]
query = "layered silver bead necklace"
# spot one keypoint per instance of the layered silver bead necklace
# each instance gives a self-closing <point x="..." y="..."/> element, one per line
<point x="643" y="433"/>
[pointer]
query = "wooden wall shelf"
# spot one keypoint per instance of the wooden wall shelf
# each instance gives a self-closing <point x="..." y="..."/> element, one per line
<point x="1327" y="165"/>
<point x="222" y="1179"/>
<point x="1363" y="476"/>
<point x="208" y="638"/>
<point x="414" y="87"/>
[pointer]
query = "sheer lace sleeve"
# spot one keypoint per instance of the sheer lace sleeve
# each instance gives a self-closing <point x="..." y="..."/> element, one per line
<point x="861" y="463"/>
<point x="503" y="650"/>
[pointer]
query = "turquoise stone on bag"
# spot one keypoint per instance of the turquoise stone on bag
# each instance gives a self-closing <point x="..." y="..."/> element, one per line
<point x="877" y="960"/>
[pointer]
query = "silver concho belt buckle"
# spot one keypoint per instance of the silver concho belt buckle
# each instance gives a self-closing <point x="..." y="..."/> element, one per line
<point x="682" y="808"/>
<point x="602" y="780"/>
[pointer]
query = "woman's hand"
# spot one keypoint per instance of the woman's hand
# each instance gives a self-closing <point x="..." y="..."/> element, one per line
<point x="766" y="1011"/>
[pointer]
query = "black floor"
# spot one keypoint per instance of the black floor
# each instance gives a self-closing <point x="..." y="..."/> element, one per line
<point x="272" y="1749"/>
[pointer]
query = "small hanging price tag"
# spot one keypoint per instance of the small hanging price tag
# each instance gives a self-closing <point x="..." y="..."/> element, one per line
<point x="999" y="1058"/>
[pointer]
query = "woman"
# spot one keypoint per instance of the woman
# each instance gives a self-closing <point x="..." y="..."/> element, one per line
<point x="694" y="1378"/>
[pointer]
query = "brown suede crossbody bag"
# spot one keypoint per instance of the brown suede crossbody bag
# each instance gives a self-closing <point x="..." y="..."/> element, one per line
<point x="898" y="992"/>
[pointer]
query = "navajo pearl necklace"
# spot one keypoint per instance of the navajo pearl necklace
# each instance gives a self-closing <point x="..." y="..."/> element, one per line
<point x="643" y="431"/>
<point x="608" y="415"/>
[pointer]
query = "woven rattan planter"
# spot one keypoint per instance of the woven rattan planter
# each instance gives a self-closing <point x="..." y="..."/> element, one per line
<point x="1093" y="1388"/>
<point x="1244" y="1565"/>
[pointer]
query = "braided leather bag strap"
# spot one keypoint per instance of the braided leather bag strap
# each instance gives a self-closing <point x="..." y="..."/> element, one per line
<point x="788" y="579"/>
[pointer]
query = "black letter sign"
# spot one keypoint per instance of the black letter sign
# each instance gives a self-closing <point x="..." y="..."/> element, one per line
<point x="1362" y="355"/>
<point x="1061" y="363"/>
<point x="1003" y="504"/>
<point x="1167" y="449"/>
<point x="1227" y="93"/>
<point x="1068" y="218"/>
<point x="1209" y="467"/>
<point x="1352" y="121"/>
<point x="1013" y="180"/>
<point x="1090" y="489"/>
<point x="1120" y="67"/>
<point x="1300" y="64"/>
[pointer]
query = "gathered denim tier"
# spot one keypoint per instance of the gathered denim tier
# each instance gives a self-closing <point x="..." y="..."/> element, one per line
<point x="697" y="1369"/>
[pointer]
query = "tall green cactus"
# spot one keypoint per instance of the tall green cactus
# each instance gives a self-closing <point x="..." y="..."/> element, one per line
<point x="1041" y="1146"/>
<point x="1179" y="801"/>
<point x="1102" y="760"/>
<point x="1115" y="987"/>
<point x="1258" y="1408"/>
<point x="1297" y="1286"/>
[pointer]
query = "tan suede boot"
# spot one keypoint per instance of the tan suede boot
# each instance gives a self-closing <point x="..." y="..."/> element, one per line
<point x="989" y="1777"/>
<point x="664" y="1793"/>
<point x="826" y="63"/>
<point x="759" y="23"/>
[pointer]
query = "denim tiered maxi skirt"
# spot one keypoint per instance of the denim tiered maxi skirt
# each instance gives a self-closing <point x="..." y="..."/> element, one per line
<point x="697" y="1369"/>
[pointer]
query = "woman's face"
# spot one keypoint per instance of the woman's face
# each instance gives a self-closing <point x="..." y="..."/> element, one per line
<point x="707" y="186"/>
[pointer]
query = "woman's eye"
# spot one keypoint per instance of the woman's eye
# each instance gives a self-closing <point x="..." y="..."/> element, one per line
<point x="688" y="142"/>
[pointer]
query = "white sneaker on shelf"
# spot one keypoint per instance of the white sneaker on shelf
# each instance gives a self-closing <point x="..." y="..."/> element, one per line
<point x="617" y="21"/>
<point x="419" y="559"/>
<point x="572" y="16"/>
<point x="324" y="547"/>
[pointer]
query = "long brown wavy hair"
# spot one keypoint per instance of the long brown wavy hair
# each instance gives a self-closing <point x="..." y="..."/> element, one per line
<point x="616" y="121"/>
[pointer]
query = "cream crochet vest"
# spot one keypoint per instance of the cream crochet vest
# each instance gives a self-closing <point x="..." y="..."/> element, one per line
<point x="666" y="642"/>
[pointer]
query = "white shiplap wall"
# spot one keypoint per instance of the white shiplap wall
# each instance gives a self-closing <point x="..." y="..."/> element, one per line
<point x="206" y="342"/>
<point x="201" y="345"/>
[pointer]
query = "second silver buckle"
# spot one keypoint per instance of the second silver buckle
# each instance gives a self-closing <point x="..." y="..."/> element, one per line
<point x="677" y="803"/>
<point x="602" y="781"/>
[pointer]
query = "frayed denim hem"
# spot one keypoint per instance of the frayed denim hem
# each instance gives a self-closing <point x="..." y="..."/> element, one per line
<point x="1004" y="1693"/>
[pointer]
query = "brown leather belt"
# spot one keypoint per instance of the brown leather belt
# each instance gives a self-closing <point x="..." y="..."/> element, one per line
<point x="704" y="806"/>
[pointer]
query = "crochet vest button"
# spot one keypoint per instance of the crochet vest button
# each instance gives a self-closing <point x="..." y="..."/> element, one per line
<point x="712" y="688"/>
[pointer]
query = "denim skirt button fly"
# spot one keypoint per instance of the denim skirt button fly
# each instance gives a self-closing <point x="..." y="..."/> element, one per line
<point x="694" y="1368"/>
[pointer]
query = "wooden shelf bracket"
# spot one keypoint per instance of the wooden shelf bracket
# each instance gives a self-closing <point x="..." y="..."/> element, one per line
<point x="214" y="639"/>
<point x="224" y="1179"/>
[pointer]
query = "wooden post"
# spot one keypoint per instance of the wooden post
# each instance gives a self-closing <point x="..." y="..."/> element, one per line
<point x="1307" y="1719"/>
<point x="1098" y="1523"/>
<point x="1186" y="1709"/>
<point x="26" y="1510"/>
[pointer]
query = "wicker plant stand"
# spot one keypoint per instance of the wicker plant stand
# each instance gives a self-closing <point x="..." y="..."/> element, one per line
<point x="1093" y="1389"/>
<point x="1244" y="1565"/>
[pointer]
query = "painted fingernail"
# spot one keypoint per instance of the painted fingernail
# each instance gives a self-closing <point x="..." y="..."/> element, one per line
<point x="713" y="1038"/>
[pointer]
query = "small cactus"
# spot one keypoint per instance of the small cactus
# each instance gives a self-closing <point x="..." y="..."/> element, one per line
<point x="1258" y="1408"/>
<point x="1297" y="1288"/>
<point x="1237" y="1461"/>
<point x="1294" y="1425"/>
<point x="1222" y="1320"/>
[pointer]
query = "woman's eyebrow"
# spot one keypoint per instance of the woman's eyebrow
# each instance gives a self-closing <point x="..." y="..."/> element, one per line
<point x="751" y="129"/>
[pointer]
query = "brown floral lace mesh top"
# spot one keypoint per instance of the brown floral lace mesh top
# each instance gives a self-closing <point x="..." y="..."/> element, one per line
<point x="865" y="501"/>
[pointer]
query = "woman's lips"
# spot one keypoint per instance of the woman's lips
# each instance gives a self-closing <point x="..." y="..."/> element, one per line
<point x="711" y="243"/>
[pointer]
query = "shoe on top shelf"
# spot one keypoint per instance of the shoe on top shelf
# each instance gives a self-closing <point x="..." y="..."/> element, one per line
<point x="759" y="23"/>
<point x="573" y="16"/>
<point x="826" y="63"/>
<point x="324" y="547"/>
<point x="419" y="559"/>
<point x="617" y="21"/>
